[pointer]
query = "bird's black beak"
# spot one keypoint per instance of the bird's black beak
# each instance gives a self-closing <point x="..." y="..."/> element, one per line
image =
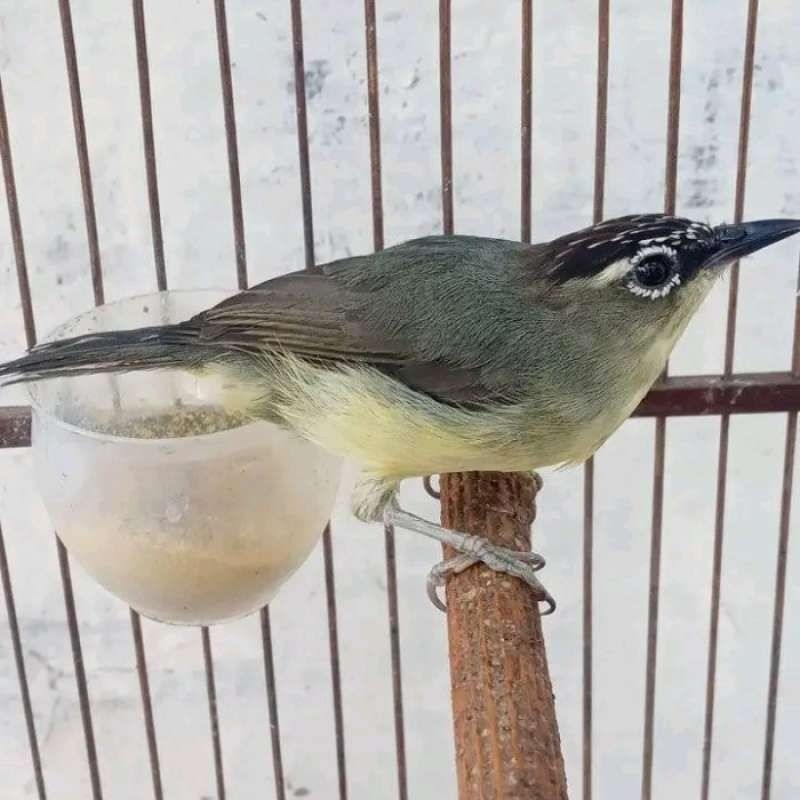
<point x="736" y="241"/>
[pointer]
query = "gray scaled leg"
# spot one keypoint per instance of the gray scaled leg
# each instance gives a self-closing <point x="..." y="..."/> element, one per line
<point x="375" y="499"/>
<point x="472" y="549"/>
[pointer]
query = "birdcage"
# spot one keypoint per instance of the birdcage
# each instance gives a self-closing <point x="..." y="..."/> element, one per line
<point x="672" y="652"/>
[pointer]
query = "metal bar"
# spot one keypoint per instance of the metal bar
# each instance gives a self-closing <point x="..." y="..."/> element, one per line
<point x="80" y="671"/>
<point x="745" y="393"/>
<point x="302" y="131"/>
<point x="373" y="103"/>
<point x="670" y="192"/>
<point x="780" y="572"/>
<point x="83" y="150"/>
<point x="308" y="241"/>
<point x="676" y="396"/>
<point x="446" y="116"/>
<point x="97" y="284"/>
<point x="213" y="716"/>
<point x="148" y="140"/>
<point x="19" y="661"/>
<point x="231" y="142"/>
<point x="272" y="703"/>
<point x="16" y="225"/>
<point x="601" y="136"/>
<point x="147" y="706"/>
<point x="30" y="337"/>
<point x="526" y="120"/>
<point x="724" y="431"/>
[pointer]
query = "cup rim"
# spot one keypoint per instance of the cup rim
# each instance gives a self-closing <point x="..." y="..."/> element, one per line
<point x="38" y="408"/>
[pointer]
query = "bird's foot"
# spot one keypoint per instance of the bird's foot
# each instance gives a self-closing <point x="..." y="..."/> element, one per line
<point x="519" y="563"/>
<point x="472" y="549"/>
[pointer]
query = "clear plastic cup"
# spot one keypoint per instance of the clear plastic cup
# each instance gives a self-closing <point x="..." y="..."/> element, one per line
<point x="187" y="513"/>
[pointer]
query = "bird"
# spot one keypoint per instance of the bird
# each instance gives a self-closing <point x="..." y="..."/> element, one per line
<point x="446" y="354"/>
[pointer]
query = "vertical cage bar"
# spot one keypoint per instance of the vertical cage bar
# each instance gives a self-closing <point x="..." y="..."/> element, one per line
<point x="231" y="142"/>
<point x="724" y="432"/>
<point x="388" y="532"/>
<point x="601" y="136"/>
<point x="272" y="702"/>
<point x="526" y="120"/>
<point x="148" y="141"/>
<point x="19" y="662"/>
<point x="308" y="240"/>
<point x="446" y="116"/>
<point x="780" y="571"/>
<point x="213" y="716"/>
<point x="147" y="706"/>
<point x="302" y="130"/>
<point x="15" y="224"/>
<point x="82" y="147"/>
<point x="97" y="284"/>
<point x="80" y="671"/>
<point x="670" y="194"/>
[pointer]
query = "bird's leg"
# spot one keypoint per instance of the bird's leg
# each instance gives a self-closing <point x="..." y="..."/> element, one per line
<point x="472" y="549"/>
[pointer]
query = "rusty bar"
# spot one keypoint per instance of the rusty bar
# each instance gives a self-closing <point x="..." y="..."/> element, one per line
<point x="778" y="610"/>
<point x="780" y="572"/>
<point x="745" y="393"/>
<point x="302" y="130"/>
<point x="526" y="119"/>
<point x="652" y="608"/>
<point x="427" y="483"/>
<point x="601" y="136"/>
<point x="80" y="671"/>
<point x="213" y="716"/>
<point x="308" y="240"/>
<point x="601" y="123"/>
<point x="148" y="141"/>
<point x="232" y="146"/>
<point x="272" y="703"/>
<point x="373" y="103"/>
<point x="374" y="124"/>
<point x="446" y="116"/>
<point x="676" y="396"/>
<point x="16" y="225"/>
<point x="19" y="662"/>
<point x="83" y="149"/>
<point x="230" y="140"/>
<point x="147" y="706"/>
<point x="670" y="192"/>
<point x="506" y="734"/>
<point x="15" y="426"/>
<point x="97" y="284"/>
<point x="30" y="337"/>
<point x="724" y="431"/>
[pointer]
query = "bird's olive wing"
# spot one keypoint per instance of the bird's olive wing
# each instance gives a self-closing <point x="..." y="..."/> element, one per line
<point x="376" y="311"/>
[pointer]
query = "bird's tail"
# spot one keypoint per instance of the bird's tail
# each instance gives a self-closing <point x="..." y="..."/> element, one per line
<point x="161" y="347"/>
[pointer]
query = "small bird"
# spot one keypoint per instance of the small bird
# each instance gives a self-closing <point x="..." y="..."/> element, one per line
<point x="446" y="354"/>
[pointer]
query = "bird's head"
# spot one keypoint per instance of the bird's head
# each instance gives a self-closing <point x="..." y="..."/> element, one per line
<point x="652" y="267"/>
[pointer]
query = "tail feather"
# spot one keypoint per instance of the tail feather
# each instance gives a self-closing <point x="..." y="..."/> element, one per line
<point x="161" y="347"/>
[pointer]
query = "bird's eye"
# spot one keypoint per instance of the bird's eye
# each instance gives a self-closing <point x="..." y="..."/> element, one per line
<point x="653" y="272"/>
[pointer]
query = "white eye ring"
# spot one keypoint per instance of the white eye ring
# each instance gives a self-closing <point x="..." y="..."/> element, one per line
<point x="632" y="285"/>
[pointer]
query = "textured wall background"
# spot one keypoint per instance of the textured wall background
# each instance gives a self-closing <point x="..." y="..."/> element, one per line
<point x="199" y="250"/>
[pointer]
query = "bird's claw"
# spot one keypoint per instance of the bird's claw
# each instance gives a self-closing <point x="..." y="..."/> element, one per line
<point x="522" y="564"/>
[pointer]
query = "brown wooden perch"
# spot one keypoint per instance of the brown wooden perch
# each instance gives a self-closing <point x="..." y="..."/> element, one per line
<point x="506" y="733"/>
